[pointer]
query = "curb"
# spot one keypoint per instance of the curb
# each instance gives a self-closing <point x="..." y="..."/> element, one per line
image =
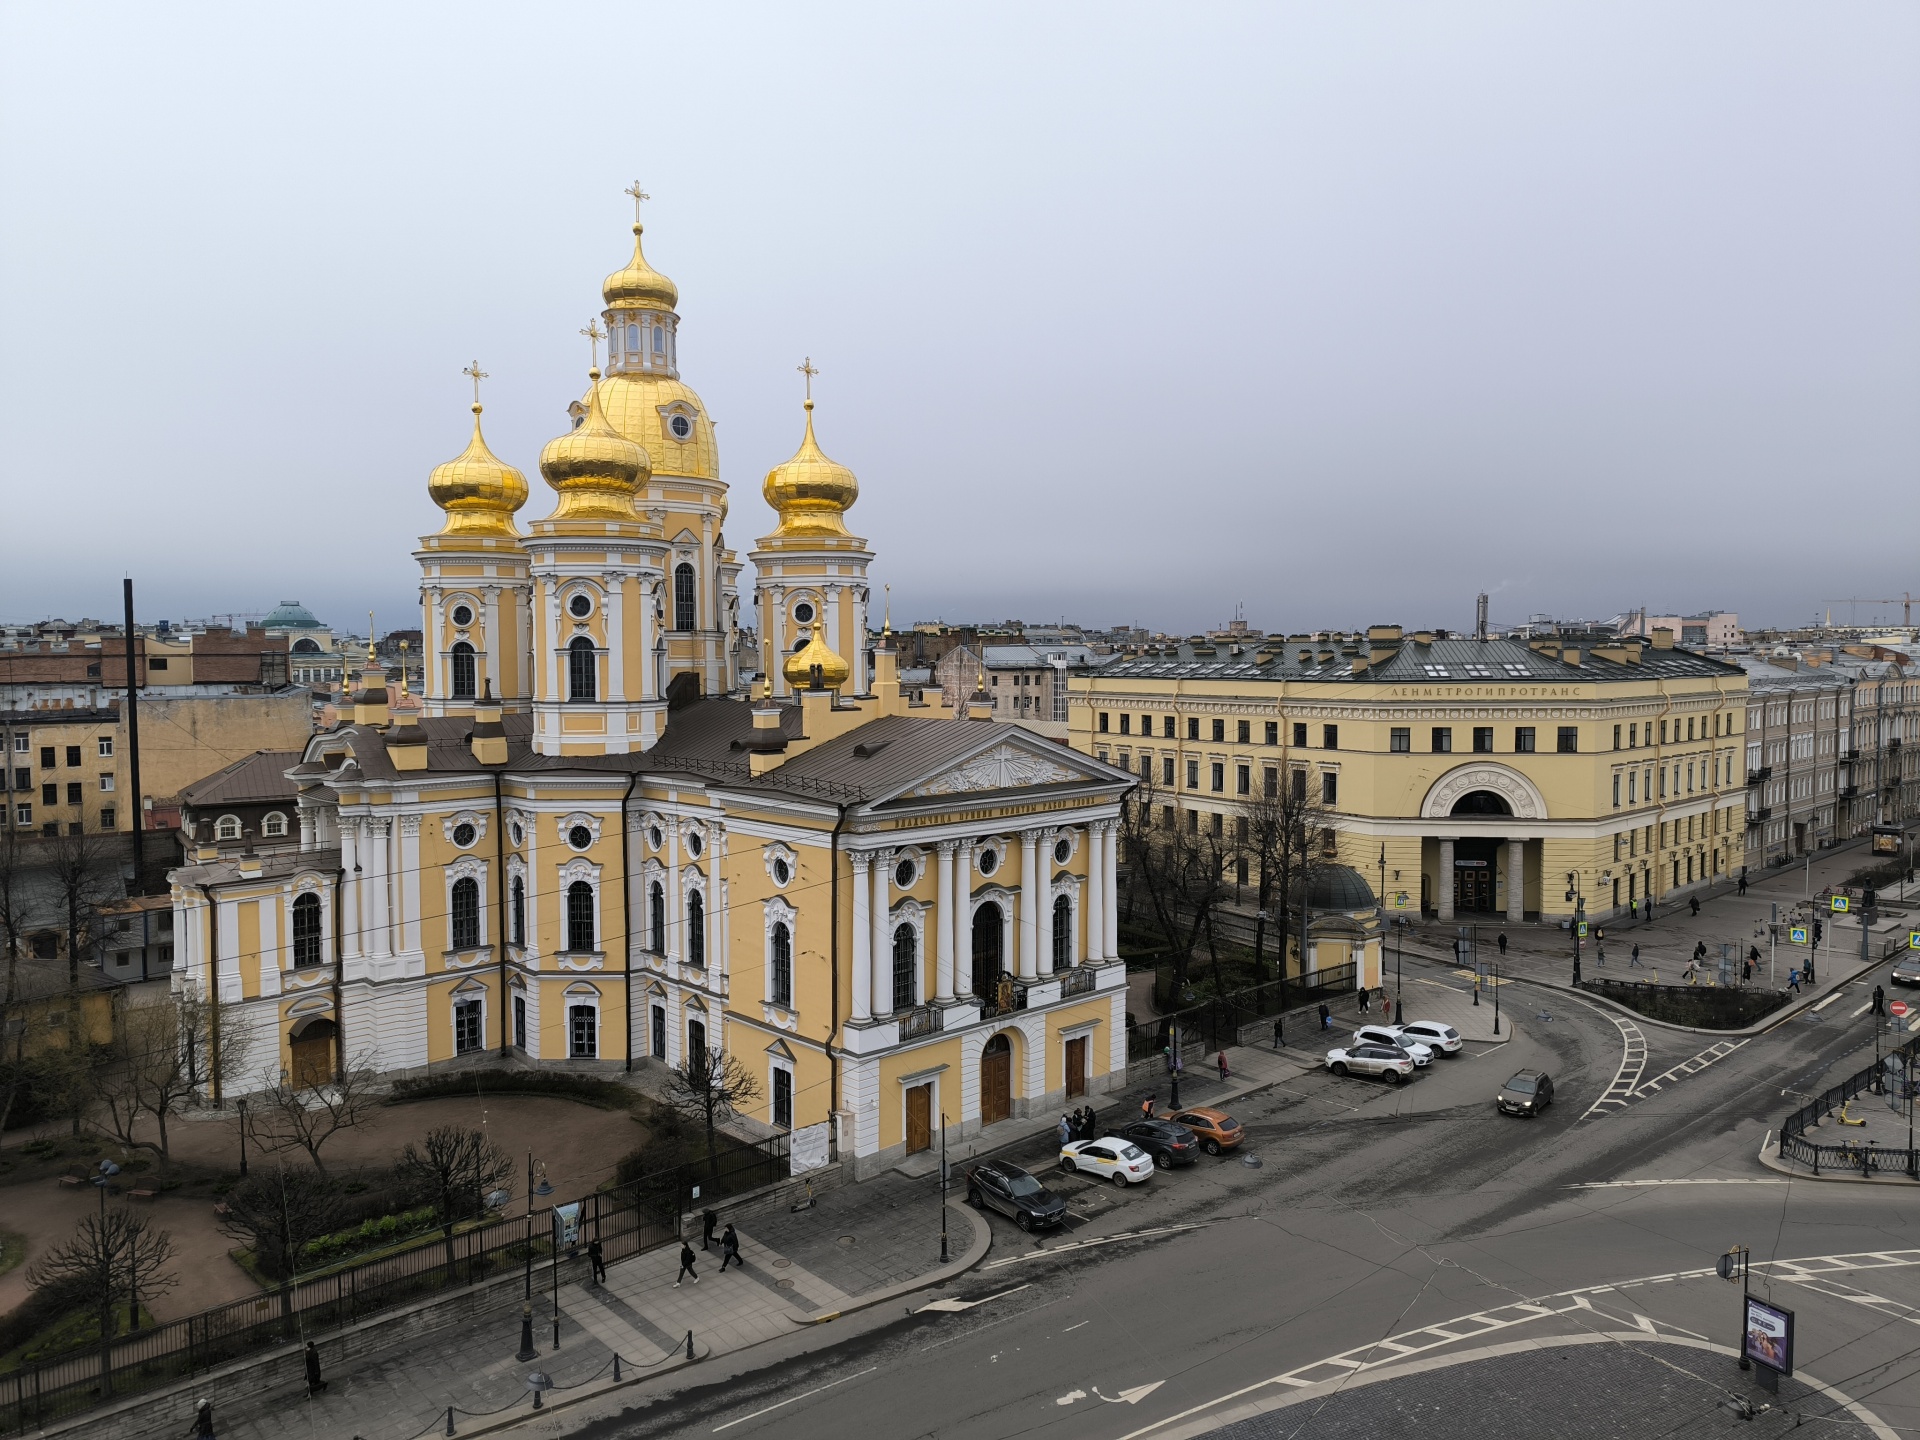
<point x="1770" y="1157"/>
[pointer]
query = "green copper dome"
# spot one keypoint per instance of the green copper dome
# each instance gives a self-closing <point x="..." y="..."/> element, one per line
<point x="291" y="615"/>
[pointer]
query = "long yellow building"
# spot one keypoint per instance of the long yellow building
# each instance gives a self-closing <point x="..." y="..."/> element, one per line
<point x="601" y="847"/>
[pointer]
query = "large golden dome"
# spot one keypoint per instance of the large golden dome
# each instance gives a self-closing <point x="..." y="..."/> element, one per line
<point x="639" y="286"/>
<point x="643" y="407"/>
<point x="810" y="493"/>
<point x="478" y="490"/>
<point x="834" y="672"/>
<point x="594" y="468"/>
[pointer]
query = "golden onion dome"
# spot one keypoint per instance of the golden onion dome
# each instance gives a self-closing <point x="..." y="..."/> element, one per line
<point x="810" y="493"/>
<point x="834" y="672"/>
<point x="478" y="490"/>
<point x="639" y="286"/>
<point x="595" y="469"/>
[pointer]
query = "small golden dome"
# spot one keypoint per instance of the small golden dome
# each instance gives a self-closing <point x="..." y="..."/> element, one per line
<point x="810" y="493"/>
<point x="639" y="286"/>
<point x="478" y="490"/>
<point x="594" y="468"/>
<point x="834" y="672"/>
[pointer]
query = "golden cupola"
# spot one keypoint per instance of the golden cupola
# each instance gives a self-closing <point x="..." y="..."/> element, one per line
<point x="810" y="493"/>
<point x="478" y="490"/>
<point x="595" y="470"/>
<point x="800" y="666"/>
<point x="639" y="286"/>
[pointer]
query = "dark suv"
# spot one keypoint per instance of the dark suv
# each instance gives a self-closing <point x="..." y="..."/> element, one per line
<point x="1527" y="1093"/>
<point x="1169" y="1144"/>
<point x="996" y="1185"/>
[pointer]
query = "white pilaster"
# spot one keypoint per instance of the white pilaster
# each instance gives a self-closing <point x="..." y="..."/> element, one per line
<point x="350" y="889"/>
<point x="1444" y="881"/>
<point x="1029" y="904"/>
<point x="377" y="919"/>
<point x="1095" y="910"/>
<point x="862" y="940"/>
<point x="616" y="653"/>
<point x="943" y="925"/>
<point x="882" y="936"/>
<point x="1111" y="862"/>
<point x="963" y="916"/>
<point x="1516" y="882"/>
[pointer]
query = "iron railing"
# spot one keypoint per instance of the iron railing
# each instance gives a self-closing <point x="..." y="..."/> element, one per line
<point x="921" y="1020"/>
<point x="1894" y="1069"/>
<point x="1077" y="980"/>
<point x="1236" y="1018"/>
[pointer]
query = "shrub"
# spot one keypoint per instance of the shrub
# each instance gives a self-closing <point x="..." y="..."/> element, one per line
<point x="586" y="1089"/>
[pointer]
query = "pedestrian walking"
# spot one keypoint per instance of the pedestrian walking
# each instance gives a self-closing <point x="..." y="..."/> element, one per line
<point x="1741" y="889"/>
<point x="597" y="1258"/>
<point x="1066" y="1130"/>
<point x="730" y="1249"/>
<point x="1633" y="960"/>
<point x="1687" y="974"/>
<point x="1633" y="908"/>
<point x="1746" y="971"/>
<point x="1088" y="1123"/>
<point x="1146" y="1108"/>
<point x="1793" y="981"/>
<point x="1326" y="1016"/>
<point x="687" y="1258"/>
<point x="708" y="1220"/>
<point x="1502" y="942"/>
<point x="1225" y="1074"/>
<point x="1600" y="947"/>
<point x="203" y="1421"/>
<point x="1363" y="999"/>
<point x="1279" y="1038"/>
<point x="1693" y="902"/>
<point x="1879" y="1000"/>
<point x="1386" y="1006"/>
<point x="314" y="1383"/>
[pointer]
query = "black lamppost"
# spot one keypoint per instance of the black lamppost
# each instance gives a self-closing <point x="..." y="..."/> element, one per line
<point x="542" y="1188"/>
<point x="1579" y="917"/>
<point x="242" y="1104"/>
<point x="943" y="1187"/>
<point x="1173" y="1064"/>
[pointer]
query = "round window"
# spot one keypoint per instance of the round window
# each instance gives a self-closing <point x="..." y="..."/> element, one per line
<point x="989" y="862"/>
<point x="580" y="607"/>
<point x="464" y="835"/>
<point x="903" y="874"/>
<point x="579" y="837"/>
<point x="519" y="835"/>
<point x="803" y="612"/>
<point x="1061" y="850"/>
<point x="653" y="837"/>
<point x="693" y="845"/>
<point x="781" y="872"/>
<point x="462" y="615"/>
<point x="681" y="426"/>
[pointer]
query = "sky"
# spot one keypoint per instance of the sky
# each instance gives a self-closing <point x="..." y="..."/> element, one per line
<point x="1123" y="314"/>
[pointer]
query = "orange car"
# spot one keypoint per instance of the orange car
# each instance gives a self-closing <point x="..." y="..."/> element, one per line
<point x="1217" y="1130"/>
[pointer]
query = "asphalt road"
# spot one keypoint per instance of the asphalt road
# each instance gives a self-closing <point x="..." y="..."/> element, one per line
<point x="1259" y="1297"/>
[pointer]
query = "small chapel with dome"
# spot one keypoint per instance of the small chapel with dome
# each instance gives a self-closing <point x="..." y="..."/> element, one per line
<point x="617" y="833"/>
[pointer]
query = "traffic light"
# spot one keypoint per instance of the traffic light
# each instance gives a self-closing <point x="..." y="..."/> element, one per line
<point x="1816" y="932"/>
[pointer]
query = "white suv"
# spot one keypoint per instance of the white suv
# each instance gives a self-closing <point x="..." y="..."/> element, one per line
<point x="1389" y="1062"/>
<point x="1441" y="1039"/>
<point x="1390" y="1035"/>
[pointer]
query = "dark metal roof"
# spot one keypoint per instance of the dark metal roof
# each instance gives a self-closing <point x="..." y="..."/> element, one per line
<point x="260" y="778"/>
<point x="1405" y="662"/>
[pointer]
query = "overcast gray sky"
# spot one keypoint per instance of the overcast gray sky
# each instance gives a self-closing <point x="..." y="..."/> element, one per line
<point x="1123" y="313"/>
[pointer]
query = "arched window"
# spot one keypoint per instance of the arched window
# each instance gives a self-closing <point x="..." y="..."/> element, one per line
<point x="782" y="965"/>
<point x="683" y="597"/>
<point x="987" y="923"/>
<point x="633" y="337"/>
<point x="657" y="919"/>
<point x="274" y="826"/>
<point x="905" y="965"/>
<point x="517" y="910"/>
<point x="306" y="930"/>
<point x="582" y="682"/>
<point x="659" y="340"/>
<point x="696" y="929"/>
<point x="1062" y="933"/>
<point x="466" y="913"/>
<point x="583" y="1032"/>
<point x="465" y="687"/>
<point x="227" y="828"/>
<point x="579" y="916"/>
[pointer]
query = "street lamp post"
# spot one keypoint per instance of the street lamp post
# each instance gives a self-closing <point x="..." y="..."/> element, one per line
<point x="542" y="1188"/>
<point x="1579" y="917"/>
<point x="943" y="1187"/>
<point x="242" y="1104"/>
<point x="1173" y="1065"/>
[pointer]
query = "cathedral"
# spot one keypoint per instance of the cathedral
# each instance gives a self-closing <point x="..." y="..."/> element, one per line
<point x="610" y="835"/>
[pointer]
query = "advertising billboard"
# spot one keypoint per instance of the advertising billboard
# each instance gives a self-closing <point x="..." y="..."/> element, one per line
<point x="1766" y="1335"/>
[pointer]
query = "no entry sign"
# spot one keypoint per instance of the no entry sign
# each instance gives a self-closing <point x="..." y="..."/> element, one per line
<point x="1898" y="1007"/>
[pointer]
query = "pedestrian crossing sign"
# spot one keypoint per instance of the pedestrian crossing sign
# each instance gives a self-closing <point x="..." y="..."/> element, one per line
<point x="1583" y="929"/>
<point x="1798" y="934"/>
<point x="1913" y="939"/>
<point x="1842" y="903"/>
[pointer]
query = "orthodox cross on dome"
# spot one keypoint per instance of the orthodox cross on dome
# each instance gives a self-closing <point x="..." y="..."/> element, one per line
<point x="805" y="367"/>
<point x="638" y="195"/>
<point x="595" y="334"/>
<point x="477" y="375"/>
<point x="370" y="656"/>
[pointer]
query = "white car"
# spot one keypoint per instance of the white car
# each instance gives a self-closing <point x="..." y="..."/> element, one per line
<point x="1389" y="1062"/>
<point x="1441" y="1039"/>
<point x="1120" y="1161"/>
<point x="1390" y="1035"/>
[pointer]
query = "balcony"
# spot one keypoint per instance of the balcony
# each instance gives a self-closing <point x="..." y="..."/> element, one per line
<point x="1077" y="980"/>
<point x="1848" y="792"/>
<point x="1760" y="776"/>
<point x="1759" y="817"/>
<point x="921" y="1020"/>
<point x="1847" y="757"/>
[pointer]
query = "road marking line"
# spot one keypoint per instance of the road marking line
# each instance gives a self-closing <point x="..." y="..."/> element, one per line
<point x="1633" y="1055"/>
<point x="950" y="1307"/>
<point x="1830" y="1000"/>
<point x="1089" y="1244"/>
<point x="791" y="1399"/>
<point x="1693" y="1066"/>
<point x="1861" y="1011"/>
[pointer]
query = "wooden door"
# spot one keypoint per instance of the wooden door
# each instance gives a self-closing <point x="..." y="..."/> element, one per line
<point x="919" y="1118"/>
<point x="312" y="1048"/>
<point x="996" y="1080"/>
<point x="1076" y="1067"/>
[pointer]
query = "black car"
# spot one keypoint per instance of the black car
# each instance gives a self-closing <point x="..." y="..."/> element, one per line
<point x="1169" y="1144"/>
<point x="1527" y="1093"/>
<point x="996" y="1185"/>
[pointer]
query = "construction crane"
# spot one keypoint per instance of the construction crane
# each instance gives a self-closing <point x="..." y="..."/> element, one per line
<point x="1903" y="600"/>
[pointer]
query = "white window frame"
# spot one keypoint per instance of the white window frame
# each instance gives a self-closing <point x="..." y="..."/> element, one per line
<point x="465" y="868"/>
<point x="779" y="912"/>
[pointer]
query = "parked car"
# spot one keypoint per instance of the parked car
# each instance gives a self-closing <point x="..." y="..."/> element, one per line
<point x="1527" y="1093"/>
<point x="1167" y="1143"/>
<point x="996" y="1185"/>
<point x="1390" y="1035"/>
<point x="1216" y="1129"/>
<point x="1906" y="970"/>
<point x="1389" y="1062"/>
<point x="1120" y="1161"/>
<point x="1441" y="1039"/>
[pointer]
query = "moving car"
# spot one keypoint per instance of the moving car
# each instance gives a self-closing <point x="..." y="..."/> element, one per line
<point x="1120" y="1161"/>
<point x="1167" y="1143"/>
<point x="996" y="1185"/>
<point x="1527" y="1093"/>
<point x="1441" y="1039"/>
<point x="1390" y="1035"/>
<point x="1906" y="971"/>
<point x="1389" y="1062"/>
<point x="1216" y="1129"/>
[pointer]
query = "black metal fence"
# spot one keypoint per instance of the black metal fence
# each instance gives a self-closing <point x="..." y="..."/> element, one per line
<point x="626" y="1220"/>
<point x="1239" y="1018"/>
<point x="1895" y="1071"/>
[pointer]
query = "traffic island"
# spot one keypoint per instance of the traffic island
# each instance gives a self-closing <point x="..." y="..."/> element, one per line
<point x="1698" y="1007"/>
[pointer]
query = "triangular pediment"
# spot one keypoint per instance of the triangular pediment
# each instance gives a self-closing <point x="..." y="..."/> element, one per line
<point x="1007" y="765"/>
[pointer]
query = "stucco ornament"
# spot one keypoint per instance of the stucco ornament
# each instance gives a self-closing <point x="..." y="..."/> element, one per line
<point x="1525" y="801"/>
<point x="1005" y="767"/>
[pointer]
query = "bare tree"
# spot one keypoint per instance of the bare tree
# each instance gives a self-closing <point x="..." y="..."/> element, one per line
<point x="454" y="1170"/>
<point x="107" y="1256"/>
<point x="80" y="868"/>
<point x="1285" y="826"/>
<point x="1177" y="861"/>
<point x="155" y="1069"/>
<point x="278" y="1210"/>
<point x="293" y="1116"/>
<point x="711" y="1088"/>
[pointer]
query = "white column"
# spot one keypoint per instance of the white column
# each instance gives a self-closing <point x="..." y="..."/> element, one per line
<point x="882" y="937"/>
<point x="1029" y="904"/>
<point x="862" y="941"/>
<point x="1444" y="900"/>
<point x="490" y="596"/>
<point x="616" y="653"/>
<point x="377" y="843"/>
<point x="943" y="926"/>
<point x="645" y="648"/>
<point x="306" y="827"/>
<point x="435" y="645"/>
<point x="349" y="888"/>
<point x="1516" y="881"/>
<point x="963" y="916"/>
<point x="1094" y="915"/>
<point x="1111" y="862"/>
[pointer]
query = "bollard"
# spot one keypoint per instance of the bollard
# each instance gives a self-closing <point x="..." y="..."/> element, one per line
<point x="449" y="1419"/>
<point x="616" y="1369"/>
<point x="689" y="1344"/>
<point x="537" y="1392"/>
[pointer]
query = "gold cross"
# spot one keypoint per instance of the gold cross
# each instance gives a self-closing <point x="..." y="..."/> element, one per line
<point x="594" y="333"/>
<point x="478" y="375"/>
<point x="638" y="195"/>
<point x="805" y="367"/>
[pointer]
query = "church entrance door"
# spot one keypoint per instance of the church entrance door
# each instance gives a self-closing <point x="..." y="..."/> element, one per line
<point x="996" y="1080"/>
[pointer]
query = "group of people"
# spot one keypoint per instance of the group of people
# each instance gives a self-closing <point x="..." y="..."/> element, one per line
<point x="1079" y="1125"/>
<point x="729" y="1249"/>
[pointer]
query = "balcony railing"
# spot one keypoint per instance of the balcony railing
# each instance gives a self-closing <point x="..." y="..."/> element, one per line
<point x="1758" y="817"/>
<point x="921" y="1020"/>
<point x="1847" y="757"/>
<point x="1760" y="776"/>
<point x="1078" y="980"/>
<point x="1847" y="792"/>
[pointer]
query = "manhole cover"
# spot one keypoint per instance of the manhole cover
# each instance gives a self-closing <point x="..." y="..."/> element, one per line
<point x="846" y="1239"/>
<point x="1252" y="1162"/>
<point x="781" y="1264"/>
<point x="784" y="1284"/>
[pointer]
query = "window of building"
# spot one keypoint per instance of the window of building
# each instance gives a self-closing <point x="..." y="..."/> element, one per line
<point x="657" y="918"/>
<point x="782" y="965"/>
<point x="1193" y="727"/>
<point x="1330" y="737"/>
<point x="1146" y="721"/>
<point x="1569" y="739"/>
<point x="1329" y="789"/>
<point x="1193" y="774"/>
<point x="106" y="747"/>
<point x="76" y="793"/>
<point x="227" y="827"/>
<point x="47" y="757"/>
<point x="683" y="597"/>
<point x="23" y="814"/>
<point x="22" y="744"/>
<point x="1219" y="731"/>
<point x="1616" y="792"/>
<point x="696" y="929"/>
<point x="1442" y="739"/>
<point x="1126" y="720"/>
<point x="1663" y="732"/>
<point x="1300" y="734"/>
<point x="106" y="783"/>
<point x="582" y="670"/>
<point x="306" y="930"/>
<point x="466" y="1026"/>
<point x="1166" y="770"/>
<point x="1219" y="776"/>
<point x="1299" y="783"/>
<point x="73" y="754"/>
<point x="465" y="686"/>
<point x="905" y="966"/>
<point x="108" y="815"/>
<point x="1273" y="732"/>
<point x="517" y="910"/>
<point x="1101" y="723"/>
<point x="1689" y="727"/>
<point x="466" y="913"/>
<point x="50" y="795"/>
<point x="1193" y="822"/>
<point x="782" y="1098"/>
<point x="274" y="827"/>
<point x="1270" y="781"/>
<point x="580" y="916"/>
<point x="1523" y="740"/>
<point x="23" y="778"/>
<point x="1400" y="740"/>
<point x="1243" y="780"/>
<point x="583" y="1032"/>
<point x="1483" y="739"/>
<point x="520" y="1021"/>
<point x="1219" y="825"/>
<point x="1244" y="731"/>
<point x="1633" y="736"/>
<point x="1616" y="737"/>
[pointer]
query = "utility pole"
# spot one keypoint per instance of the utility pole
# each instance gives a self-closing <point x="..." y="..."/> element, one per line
<point x="138" y="805"/>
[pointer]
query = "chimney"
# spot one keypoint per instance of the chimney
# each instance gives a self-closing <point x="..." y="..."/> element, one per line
<point x="1480" y="617"/>
<point x="489" y="734"/>
<point x="1662" y="638"/>
<point x="407" y="742"/>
